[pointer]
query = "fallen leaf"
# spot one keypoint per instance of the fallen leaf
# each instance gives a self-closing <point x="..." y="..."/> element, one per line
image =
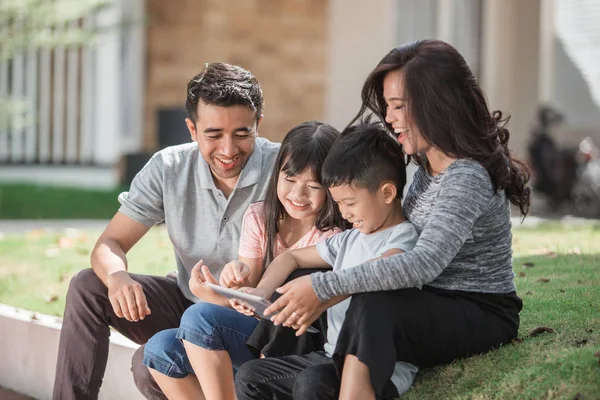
<point x="562" y="291"/>
<point x="50" y="298"/>
<point x="579" y="343"/>
<point x="66" y="242"/>
<point x="516" y="341"/>
<point x="542" y="329"/>
<point x="35" y="233"/>
<point x="529" y="293"/>
<point x="543" y="280"/>
<point x="589" y="330"/>
<point x="522" y="274"/>
<point x="528" y="265"/>
<point x="543" y="252"/>
<point x="34" y="317"/>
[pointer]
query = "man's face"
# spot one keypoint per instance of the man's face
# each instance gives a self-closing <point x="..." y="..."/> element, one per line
<point x="225" y="137"/>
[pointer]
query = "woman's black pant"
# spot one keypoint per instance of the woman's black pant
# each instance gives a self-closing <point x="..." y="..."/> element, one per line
<point x="424" y="327"/>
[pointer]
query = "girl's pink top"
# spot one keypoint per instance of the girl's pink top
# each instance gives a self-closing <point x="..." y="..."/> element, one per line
<point x="253" y="239"/>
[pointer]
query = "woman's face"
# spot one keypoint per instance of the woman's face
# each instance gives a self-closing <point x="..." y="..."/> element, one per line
<point x="397" y="114"/>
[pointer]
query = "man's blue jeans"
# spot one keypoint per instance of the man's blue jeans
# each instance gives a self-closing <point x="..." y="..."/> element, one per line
<point x="207" y="325"/>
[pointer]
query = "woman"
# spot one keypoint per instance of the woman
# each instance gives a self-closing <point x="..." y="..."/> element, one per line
<point x="459" y="202"/>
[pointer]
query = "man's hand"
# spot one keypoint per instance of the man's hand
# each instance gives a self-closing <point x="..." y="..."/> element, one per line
<point x="126" y="297"/>
<point x="234" y="274"/>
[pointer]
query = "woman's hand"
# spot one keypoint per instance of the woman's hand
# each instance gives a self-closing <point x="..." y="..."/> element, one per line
<point x="307" y="319"/>
<point x="234" y="274"/>
<point x="298" y="299"/>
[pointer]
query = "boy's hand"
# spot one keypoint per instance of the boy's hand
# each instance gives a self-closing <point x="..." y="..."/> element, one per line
<point x="199" y="276"/>
<point x="234" y="274"/>
<point x="246" y="309"/>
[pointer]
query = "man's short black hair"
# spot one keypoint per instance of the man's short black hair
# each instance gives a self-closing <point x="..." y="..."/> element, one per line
<point x="224" y="85"/>
<point x="366" y="156"/>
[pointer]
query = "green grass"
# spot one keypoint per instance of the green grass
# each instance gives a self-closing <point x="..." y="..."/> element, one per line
<point x="556" y="365"/>
<point x="47" y="202"/>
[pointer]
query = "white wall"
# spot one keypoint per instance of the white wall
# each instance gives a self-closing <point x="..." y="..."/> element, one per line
<point x="29" y="348"/>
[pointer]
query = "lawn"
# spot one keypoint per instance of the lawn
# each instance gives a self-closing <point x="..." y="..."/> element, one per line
<point x="558" y="277"/>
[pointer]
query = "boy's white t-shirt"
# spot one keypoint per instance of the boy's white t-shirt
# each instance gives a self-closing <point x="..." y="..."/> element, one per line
<point x="350" y="248"/>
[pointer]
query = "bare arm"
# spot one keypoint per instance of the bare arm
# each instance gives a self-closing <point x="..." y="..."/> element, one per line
<point x="110" y="265"/>
<point x="288" y="262"/>
<point x="108" y="255"/>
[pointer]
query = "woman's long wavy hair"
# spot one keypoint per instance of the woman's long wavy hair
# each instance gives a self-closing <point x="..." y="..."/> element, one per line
<point x="449" y="108"/>
<point x="304" y="147"/>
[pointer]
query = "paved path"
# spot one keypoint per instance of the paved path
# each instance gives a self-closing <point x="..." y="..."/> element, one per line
<point x="19" y="225"/>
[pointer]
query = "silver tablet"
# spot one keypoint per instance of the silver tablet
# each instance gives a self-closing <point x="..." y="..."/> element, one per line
<point x="258" y="303"/>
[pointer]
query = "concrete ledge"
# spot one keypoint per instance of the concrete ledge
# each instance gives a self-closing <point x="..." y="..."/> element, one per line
<point x="29" y="345"/>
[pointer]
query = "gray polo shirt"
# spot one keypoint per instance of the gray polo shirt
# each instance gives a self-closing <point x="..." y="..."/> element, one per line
<point x="177" y="187"/>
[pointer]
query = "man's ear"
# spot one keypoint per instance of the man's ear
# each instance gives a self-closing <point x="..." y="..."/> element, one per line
<point x="389" y="191"/>
<point x="192" y="128"/>
<point x="258" y="121"/>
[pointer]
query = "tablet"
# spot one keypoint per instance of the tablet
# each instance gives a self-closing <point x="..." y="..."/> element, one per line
<point x="259" y="304"/>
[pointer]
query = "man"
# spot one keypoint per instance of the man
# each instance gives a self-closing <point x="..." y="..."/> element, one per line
<point x="201" y="191"/>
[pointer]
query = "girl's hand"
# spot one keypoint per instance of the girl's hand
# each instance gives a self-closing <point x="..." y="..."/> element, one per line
<point x="243" y="308"/>
<point x="234" y="274"/>
<point x="198" y="277"/>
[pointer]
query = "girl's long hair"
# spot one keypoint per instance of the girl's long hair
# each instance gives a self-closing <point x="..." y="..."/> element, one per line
<point x="304" y="147"/>
<point x="448" y="107"/>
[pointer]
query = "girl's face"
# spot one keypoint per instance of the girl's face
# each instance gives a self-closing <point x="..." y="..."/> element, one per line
<point x="301" y="195"/>
<point x="397" y="115"/>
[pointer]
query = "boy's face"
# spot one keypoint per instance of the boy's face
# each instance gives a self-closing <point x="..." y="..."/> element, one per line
<point x="366" y="211"/>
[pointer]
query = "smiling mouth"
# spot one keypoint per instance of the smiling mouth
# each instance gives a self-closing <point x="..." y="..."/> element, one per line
<point x="357" y="224"/>
<point x="228" y="161"/>
<point x="296" y="205"/>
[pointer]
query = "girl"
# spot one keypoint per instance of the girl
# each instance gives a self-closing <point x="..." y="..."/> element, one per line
<point x="459" y="202"/>
<point x="199" y="356"/>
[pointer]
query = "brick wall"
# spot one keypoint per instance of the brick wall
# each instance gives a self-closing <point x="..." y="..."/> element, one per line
<point x="283" y="42"/>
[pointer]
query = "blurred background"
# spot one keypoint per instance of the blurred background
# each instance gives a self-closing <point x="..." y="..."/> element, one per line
<point x="89" y="89"/>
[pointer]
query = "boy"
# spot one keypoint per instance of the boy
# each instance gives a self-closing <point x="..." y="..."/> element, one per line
<point x="365" y="174"/>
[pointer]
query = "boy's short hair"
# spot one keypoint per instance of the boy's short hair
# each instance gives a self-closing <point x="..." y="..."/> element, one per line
<point x="365" y="155"/>
<point x="224" y="85"/>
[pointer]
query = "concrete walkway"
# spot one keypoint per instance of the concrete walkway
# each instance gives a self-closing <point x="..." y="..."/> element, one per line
<point x="20" y="225"/>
